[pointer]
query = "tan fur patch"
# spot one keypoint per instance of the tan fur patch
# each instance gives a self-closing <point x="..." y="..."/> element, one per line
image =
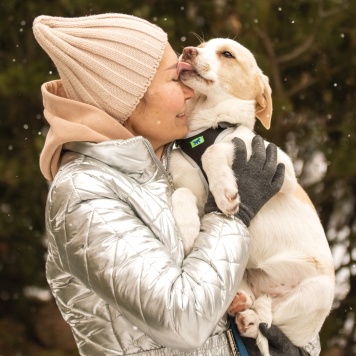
<point x="235" y="77"/>
<point x="303" y="196"/>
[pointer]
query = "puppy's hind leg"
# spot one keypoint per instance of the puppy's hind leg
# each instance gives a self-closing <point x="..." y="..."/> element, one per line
<point x="263" y="308"/>
<point x="302" y="314"/>
<point x="248" y="322"/>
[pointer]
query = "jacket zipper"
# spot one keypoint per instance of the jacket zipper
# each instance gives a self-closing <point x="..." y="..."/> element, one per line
<point x="163" y="165"/>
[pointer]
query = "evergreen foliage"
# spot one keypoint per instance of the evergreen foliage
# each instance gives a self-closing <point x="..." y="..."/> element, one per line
<point x="306" y="47"/>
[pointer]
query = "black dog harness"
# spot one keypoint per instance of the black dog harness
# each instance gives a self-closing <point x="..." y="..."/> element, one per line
<point x="195" y="146"/>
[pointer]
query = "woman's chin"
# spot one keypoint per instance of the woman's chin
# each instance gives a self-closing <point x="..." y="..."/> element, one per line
<point x="183" y="131"/>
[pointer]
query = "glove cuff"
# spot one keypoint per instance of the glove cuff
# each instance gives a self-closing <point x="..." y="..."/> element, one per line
<point x="210" y="206"/>
<point x="211" y="209"/>
<point x="245" y="214"/>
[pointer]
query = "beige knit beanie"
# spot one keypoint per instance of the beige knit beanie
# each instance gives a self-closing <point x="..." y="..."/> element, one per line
<point x="106" y="60"/>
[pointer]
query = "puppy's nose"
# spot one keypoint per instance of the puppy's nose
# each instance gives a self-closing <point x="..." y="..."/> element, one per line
<point x="189" y="53"/>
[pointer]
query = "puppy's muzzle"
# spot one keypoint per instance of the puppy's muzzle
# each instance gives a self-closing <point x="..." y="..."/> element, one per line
<point x="189" y="53"/>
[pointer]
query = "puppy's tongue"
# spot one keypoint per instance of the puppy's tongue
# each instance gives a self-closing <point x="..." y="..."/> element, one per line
<point x="184" y="66"/>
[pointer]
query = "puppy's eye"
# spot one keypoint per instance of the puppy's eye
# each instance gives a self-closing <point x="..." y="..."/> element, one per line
<point x="227" y="54"/>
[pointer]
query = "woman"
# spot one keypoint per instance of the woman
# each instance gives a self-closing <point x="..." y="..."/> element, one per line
<point x="115" y="259"/>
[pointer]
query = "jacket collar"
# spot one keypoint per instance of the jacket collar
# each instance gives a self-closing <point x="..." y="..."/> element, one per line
<point x="134" y="157"/>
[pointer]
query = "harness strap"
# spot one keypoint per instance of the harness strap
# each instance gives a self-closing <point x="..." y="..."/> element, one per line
<point x="195" y="146"/>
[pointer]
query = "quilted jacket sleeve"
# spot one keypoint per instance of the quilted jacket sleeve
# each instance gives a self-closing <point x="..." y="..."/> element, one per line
<point x="101" y="241"/>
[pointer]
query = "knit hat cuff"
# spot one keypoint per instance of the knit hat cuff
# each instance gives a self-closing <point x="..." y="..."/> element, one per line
<point x="107" y="60"/>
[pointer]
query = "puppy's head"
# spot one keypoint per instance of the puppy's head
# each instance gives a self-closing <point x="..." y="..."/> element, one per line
<point x="223" y="68"/>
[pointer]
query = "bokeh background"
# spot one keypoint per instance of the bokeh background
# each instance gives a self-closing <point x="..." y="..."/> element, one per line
<point x="306" y="47"/>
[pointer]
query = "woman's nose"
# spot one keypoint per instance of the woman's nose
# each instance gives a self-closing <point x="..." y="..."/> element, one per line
<point x="188" y="92"/>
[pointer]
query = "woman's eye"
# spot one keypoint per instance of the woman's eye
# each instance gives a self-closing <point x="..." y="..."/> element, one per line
<point x="176" y="79"/>
<point x="227" y="54"/>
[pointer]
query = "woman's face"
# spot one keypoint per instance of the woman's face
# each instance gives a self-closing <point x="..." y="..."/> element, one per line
<point x="160" y="116"/>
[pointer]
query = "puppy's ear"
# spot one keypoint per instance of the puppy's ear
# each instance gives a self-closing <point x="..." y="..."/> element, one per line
<point x="264" y="103"/>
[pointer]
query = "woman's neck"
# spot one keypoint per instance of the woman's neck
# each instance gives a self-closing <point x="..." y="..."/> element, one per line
<point x="159" y="152"/>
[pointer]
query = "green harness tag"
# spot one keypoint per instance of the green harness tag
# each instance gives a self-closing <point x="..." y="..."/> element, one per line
<point x="197" y="141"/>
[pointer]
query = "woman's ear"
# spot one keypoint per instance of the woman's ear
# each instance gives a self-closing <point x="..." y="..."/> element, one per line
<point x="264" y="103"/>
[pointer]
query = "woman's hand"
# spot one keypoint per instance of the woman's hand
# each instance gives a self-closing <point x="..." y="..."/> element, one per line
<point x="258" y="179"/>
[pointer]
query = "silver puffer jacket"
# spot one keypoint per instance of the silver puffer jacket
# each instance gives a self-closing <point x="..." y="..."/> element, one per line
<point x="115" y="258"/>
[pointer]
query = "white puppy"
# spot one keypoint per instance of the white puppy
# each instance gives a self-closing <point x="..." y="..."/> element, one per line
<point x="289" y="280"/>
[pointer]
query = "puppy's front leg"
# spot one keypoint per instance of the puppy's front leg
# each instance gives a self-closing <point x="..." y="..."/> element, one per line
<point x="185" y="212"/>
<point x="187" y="199"/>
<point x="217" y="162"/>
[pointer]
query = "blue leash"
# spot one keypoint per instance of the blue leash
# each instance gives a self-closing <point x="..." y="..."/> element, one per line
<point x="239" y="343"/>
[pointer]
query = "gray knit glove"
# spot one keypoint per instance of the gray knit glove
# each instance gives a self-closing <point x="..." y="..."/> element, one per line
<point x="279" y="344"/>
<point x="258" y="179"/>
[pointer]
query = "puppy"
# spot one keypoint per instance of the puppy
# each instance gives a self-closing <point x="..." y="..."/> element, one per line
<point x="289" y="280"/>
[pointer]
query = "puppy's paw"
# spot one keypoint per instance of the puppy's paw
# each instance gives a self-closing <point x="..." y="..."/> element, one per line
<point x="230" y="201"/>
<point x="241" y="302"/>
<point x="247" y="323"/>
<point x="226" y="197"/>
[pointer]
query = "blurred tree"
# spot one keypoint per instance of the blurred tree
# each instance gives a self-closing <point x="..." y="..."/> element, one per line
<point x="306" y="47"/>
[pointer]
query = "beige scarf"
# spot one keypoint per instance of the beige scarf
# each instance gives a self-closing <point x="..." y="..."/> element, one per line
<point x="72" y="121"/>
